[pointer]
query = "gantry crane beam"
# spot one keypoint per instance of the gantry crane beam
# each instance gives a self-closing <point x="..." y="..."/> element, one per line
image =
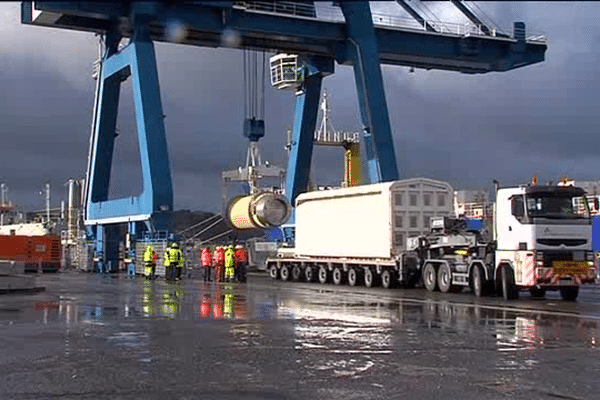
<point x="208" y="21"/>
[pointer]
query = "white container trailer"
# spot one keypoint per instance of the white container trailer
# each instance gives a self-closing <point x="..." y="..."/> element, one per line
<point x="345" y="234"/>
<point x="370" y="221"/>
<point x="350" y="222"/>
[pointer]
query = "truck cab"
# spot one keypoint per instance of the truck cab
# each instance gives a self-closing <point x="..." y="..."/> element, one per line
<point x="543" y="240"/>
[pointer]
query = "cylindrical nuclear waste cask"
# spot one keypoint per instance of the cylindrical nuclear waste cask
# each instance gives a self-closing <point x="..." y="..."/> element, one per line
<point x="260" y="210"/>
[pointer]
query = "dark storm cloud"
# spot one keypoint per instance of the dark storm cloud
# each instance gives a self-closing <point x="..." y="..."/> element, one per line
<point x="460" y="128"/>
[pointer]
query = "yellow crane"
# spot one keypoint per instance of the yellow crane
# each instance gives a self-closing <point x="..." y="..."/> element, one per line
<point x="326" y="135"/>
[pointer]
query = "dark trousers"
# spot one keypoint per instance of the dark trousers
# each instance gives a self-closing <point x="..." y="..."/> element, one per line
<point x="170" y="273"/>
<point x="240" y="272"/>
<point x="179" y="271"/>
<point x="206" y="274"/>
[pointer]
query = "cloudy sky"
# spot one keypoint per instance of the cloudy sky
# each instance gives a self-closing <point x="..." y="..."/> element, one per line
<point x="464" y="129"/>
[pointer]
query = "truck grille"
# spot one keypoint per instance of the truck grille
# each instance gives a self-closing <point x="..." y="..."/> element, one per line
<point x="558" y="242"/>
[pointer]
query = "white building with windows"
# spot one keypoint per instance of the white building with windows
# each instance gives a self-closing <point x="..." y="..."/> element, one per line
<point x="417" y="200"/>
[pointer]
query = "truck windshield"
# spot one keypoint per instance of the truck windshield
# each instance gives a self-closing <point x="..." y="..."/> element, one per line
<point x="557" y="206"/>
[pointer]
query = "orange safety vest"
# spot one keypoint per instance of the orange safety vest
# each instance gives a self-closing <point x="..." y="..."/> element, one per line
<point x="241" y="255"/>
<point x="219" y="256"/>
<point x="206" y="258"/>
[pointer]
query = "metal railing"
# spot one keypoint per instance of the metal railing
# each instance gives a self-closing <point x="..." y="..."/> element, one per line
<point x="334" y="14"/>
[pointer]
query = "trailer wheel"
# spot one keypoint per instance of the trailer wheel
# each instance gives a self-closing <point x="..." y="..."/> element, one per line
<point x="477" y="282"/>
<point x="273" y="271"/>
<point x="370" y="278"/>
<point x="430" y="277"/>
<point x="323" y="275"/>
<point x="509" y="289"/>
<point x="353" y="276"/>
<point x="310" y="274"/>
<point x="338" y="276"/>
<point x="285" y="273"/>
<point x="296" y="273"/>
<point x="537" y="293"/>
<point x="569" y="293"/>
<point x="445" y="279"/>
<point x="387" y="279"/>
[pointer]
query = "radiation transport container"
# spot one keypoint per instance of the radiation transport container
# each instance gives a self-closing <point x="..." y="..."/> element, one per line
<point x="369" y="221"/>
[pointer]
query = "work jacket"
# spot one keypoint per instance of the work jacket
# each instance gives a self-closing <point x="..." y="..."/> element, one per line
<point x="174" y="257"/>
<point x="229" y="258"/>
<point x="241" y="255"/>
<point x="206" y="258"/>
<point x="218" y="256"/>
<point x="148" y="254"/>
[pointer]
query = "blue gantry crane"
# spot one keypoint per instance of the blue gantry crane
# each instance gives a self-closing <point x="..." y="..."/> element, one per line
<point x="359" y="38"/>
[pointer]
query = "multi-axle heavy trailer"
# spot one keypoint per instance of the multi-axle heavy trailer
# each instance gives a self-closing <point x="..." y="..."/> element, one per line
<point x="540" y="240"/>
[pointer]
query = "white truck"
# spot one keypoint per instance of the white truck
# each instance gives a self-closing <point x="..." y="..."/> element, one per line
<point x="541" y="240"/>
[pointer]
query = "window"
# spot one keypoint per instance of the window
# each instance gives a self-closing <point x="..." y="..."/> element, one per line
<point x="413" y="221"/>
<point x="398" y="199"/>
<point x="426" y="199"/>
<point x="441" y="200"/>
<point x="398" y="239"/>
<point x="426" y="219"/>
<point x="413" y="199"/>
<point x="413" y="234"/>
<point x="398" y="221"/>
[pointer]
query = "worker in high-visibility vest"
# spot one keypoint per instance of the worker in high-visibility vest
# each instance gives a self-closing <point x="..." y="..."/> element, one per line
<point x="218" y="260"/>
<point x="229" y="264"/>
<point x="206" y="260"/>
<point x="176" y="261"/>
<point x="241" y="262"/>
<point x="149" y="262"/>
<point x="167" y="263"/>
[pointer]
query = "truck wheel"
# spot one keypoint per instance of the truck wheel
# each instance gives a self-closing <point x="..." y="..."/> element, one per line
<point x="479" y="288"/>
<point x="323" y="275"/>
<point x="273" y="271"/>
<point x="285" y="273"/>
<point x="296" y="273"/>
<point x="537" y="293"/>
<point x="569" y="293"/>
<point x="309" y="274"/>
<point x="353" y="276"/>
<point x="509" y="289"/>
<point x="387" y="279"/>
<point x="430" y="277"/>
<point x="338" y="276"/>
<point x="445" y="279"/>
<point x="370" y="278"/>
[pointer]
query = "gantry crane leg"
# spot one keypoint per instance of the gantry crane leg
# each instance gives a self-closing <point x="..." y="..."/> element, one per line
<point x="303" y="130"/>
<point x="381" y="157"/>
<point x="138" y="61"/>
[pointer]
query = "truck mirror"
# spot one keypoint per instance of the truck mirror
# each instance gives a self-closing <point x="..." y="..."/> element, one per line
<point x="596" y="204"/>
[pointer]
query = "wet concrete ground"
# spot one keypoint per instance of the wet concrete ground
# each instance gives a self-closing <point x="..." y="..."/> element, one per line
<point x="109" y="337"/>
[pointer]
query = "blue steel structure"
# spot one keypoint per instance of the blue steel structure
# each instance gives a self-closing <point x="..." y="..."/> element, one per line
<point x="355" y="41"/>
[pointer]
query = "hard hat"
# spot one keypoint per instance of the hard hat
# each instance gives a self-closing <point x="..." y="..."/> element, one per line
<point x="174" y="245"/>
<point x="239" y="246"/>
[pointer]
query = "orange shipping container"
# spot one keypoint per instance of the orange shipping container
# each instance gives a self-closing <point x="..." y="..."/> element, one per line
<point x="32" y="250"/>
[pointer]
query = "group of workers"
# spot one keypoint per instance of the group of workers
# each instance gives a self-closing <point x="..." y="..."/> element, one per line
<point x="230" y="265"/>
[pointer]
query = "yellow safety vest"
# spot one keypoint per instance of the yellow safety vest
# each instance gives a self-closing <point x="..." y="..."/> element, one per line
<point x="175" y="257"/>
<point x="229" y="259"/>
<point x="148" y="254"/>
